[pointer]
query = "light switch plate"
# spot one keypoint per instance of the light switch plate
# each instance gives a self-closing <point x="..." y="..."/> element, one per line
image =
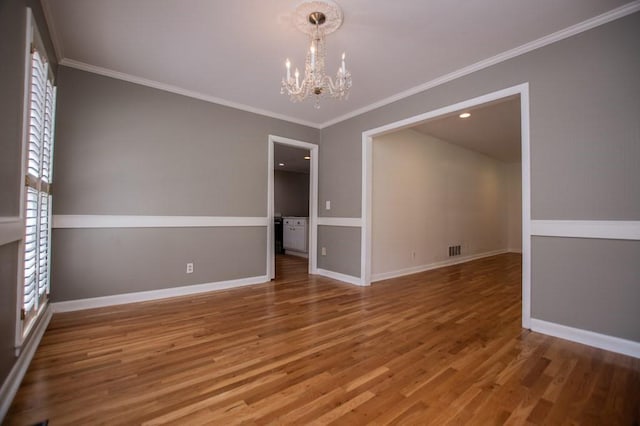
<point x="327" y="205"/>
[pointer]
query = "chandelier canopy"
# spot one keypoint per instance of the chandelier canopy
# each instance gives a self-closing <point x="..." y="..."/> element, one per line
<point x="317" y="19"/>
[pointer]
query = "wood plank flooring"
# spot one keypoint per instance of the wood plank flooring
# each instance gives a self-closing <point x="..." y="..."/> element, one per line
<point x="440" y="347"/>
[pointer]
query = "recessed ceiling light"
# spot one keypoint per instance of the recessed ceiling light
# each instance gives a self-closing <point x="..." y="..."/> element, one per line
<point x="465" y="115"/>
<point x="307" y="157"/>
<point x="281" y="164"/>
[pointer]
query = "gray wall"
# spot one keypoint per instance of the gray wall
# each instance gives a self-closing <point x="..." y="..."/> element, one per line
<point x="8" y="273"/>
<point x="587" y="283"/>
<point x="342" y="258"/>
<point x="584" y="129"/>
<point x="12" y="51"/>
<point x="291" y="193"/>
<point x="430" y="194"/>
<point x="103" y="262"/>
<point x="122" y="148"/>
<point x="585" y="144"/>
<point x="126" y="149"/>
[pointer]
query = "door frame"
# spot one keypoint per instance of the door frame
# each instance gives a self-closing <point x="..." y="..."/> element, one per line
<point x="367" y="181"/>
<point x="313" y="203"/>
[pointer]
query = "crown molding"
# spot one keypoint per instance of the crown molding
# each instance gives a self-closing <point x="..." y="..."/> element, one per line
<point x="591" y="23"/>
<point x="71" y="63"/>
<point x="596" y="21"/>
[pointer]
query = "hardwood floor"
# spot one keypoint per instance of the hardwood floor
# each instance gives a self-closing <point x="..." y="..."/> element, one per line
<point x="444" y="346"/>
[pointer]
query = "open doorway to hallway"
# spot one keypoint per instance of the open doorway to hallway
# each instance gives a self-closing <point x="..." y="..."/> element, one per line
<point x="520" y="93"/>
<point x="447" y="190"/>
<point x="291" y="156"/>
<point x="291" y="187"/>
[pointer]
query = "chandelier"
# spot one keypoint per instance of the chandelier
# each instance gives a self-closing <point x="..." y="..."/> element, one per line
<point x="317" y="19"/>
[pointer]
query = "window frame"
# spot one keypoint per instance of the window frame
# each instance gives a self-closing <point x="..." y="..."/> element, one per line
<point x="26" y="323"/>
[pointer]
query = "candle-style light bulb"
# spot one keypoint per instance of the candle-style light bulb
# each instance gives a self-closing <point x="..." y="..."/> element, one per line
<point x="288" y="64"/>
<point x="297" y="78"/>
<point x="313" y="56"/>
<point x="344" y="68"/>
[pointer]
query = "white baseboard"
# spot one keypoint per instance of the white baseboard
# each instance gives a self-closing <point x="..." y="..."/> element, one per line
<point x="340" y="277"/>
<point x="514" y="250"/>
<point x="144" y="296"/>
<point x="355" y="222"/>
<point x="296" y="253"/>
<point x="597" y="340"/>
<point x="421" y="268"/>
<point x="12" y="382"/>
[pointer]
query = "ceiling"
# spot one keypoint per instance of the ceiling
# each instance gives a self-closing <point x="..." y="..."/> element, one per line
<point x="492" y="129"/>
<point x="291" y="157"/>
<point x="233" y="52"/>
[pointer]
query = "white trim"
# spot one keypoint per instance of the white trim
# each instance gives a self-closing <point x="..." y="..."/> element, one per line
<point x="13" y="380"/>
<point x="297" y="253"/>
<point x="586" y="337"/>
<point x="349" y="279"/>
<point x="145" y="296"/>
<point x="271" y="228"/>
<point x="525" y="161"/>
<point x="609" y="229"/>
<point x="312" y="247"/>
<point x="122" y="221"/>
<point x="71" y="63"/>
<point x="31" y="32"/>
<point x="313" y="202"/>
<point x="25" y="105"/>
<point x="515" y="250"/>
<point x="53" y="33"/>
<point x="11" y="229"/>
<point x="355" y="222"/>
<point x="596" y="21"/>
<point x="422" y="268"/>
<point x="367" y="181"/>
<point x="367" y="207"/>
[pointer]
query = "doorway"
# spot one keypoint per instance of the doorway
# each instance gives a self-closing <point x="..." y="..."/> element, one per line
<point x="522" y="93"/>
<point x="292" y="223"/>
<point x="447" y="190"/>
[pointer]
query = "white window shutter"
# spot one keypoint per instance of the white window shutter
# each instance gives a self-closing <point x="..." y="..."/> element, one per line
<point x="43" y="244"/>
<point x="48" y="129"/>
<point x="37" y="241"/>
<point x="36" y="113"/>
<point x="30" y="249"/>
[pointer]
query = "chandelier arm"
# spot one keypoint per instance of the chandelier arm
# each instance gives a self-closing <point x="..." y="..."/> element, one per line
<point x="323" y="17"/>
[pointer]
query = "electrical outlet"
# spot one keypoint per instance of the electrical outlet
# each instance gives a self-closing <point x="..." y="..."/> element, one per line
<point x="190" y="268"/>
<point x="327" y="205"/>
<point x="324" y="251"/>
